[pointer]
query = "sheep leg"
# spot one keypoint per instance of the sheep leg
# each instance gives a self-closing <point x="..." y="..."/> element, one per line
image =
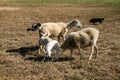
<point x="45" y="33"/>
<point x="46" y="54"/>
<point x="49" y="54"/>
<point x="96" y="48"/>
<point x="54" y="58"/>
<point x="63" y="38"/>
<point x="58" y="38"/>
<point x="57" y="54"/>
<point x="44" y="57"/>
<point x="64" y="35"/>
<point x="61" y="51"/>
<point x="71" y="52"/>
<point x="92" y="51"/>
<point x="79" y="52"/>
<point x="41" y="48"/>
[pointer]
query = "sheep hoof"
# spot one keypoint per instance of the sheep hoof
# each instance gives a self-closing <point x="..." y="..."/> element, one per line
<point x="43" y="60"/>
<point x="96" y="56"/>
<point x="54" y="59"/>
<point x="88" y="62"/>
<point x="70" y="59"/>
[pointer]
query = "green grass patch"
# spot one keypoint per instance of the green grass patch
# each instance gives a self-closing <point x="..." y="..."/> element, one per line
<point x="37" y="2"/>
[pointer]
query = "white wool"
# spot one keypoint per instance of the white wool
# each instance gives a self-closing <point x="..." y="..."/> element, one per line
<point x="83" y="38"/>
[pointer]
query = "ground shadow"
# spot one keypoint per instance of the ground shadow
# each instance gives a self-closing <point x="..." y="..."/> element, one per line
<point x="23" y="50"/>
<point x="28" y="50"/>
<point x="40" y="58"/>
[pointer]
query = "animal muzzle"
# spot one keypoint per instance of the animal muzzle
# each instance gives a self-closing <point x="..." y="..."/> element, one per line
<point x="80" y="27"/>
<point x="28" y="29"/>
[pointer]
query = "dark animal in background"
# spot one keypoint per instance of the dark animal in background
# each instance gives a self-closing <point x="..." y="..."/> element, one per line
<point x="96" y="20"/>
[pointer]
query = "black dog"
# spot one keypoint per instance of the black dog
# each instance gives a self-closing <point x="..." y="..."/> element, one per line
<point x="96" y="20"/>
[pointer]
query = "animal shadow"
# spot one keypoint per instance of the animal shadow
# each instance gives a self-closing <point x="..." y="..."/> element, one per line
<point x="40" y="58"/>
<point x="23" y="50"/>
<point x="35" y="58"/>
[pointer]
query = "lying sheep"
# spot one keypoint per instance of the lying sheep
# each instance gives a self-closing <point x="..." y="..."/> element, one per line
<point x="83" y="38"/>
<point x="49" y="45"/>
<point x="59" y="29"/>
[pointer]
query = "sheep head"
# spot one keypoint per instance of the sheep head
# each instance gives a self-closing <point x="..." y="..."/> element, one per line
<point x="34" y="27"/>
<point x="78" y="24"/>
<point x="75" y="22"/>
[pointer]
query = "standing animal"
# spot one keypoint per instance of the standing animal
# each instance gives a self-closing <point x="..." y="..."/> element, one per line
<point x="96" y="20"/>
<point x="49" y="45"/>
<point x="59" y="29"/>
<point x="83" y="38"/>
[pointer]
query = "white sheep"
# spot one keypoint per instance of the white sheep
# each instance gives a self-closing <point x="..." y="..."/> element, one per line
<point x="51" y="29"/>
<point x="42" y="42"/>
<point x="49" y="45"/>
<point x="83" y="38"/>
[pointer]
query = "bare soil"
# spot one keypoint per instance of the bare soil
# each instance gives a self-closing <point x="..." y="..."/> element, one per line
<point x="19" y="58"/>
<point x="9" y="8"/>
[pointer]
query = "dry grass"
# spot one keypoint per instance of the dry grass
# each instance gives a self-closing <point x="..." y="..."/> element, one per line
<point x="19" y="59"/>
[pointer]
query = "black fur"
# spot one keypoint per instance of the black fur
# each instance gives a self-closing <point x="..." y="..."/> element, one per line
<point x="96" y="20"/>
<point x="34" y="27"/>
<point x="28" y="29"/>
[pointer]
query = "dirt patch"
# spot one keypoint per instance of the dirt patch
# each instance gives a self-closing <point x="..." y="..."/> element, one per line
<point x="19" y="59"/>
<point x="9" y="8"/>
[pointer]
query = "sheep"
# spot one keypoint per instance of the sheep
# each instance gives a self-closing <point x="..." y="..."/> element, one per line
<point x="59" y="29"/>
<point x="42" y="42"/>
<point x="95" y="20"/>
<point x="51" y="29"/>
<point x="80" y="39"/>
<point x="49" y="45"/>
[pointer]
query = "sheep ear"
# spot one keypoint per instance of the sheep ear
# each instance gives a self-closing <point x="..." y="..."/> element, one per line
<point x="39" y="24"/>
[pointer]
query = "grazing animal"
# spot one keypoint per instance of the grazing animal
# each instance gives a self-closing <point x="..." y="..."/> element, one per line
<point x="59" y="29"/>
<point x="43" y="41"/>
<point x="83" y="38"/>
<point x="49" y="45"/>
<point x="96" y="20"/>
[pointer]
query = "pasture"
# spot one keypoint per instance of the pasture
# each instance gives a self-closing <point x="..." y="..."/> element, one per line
<point x="19" y="58"/>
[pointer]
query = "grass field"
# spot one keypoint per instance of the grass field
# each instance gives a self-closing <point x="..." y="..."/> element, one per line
<point x="37" y="2"/>
<point x="19" y="58"/>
